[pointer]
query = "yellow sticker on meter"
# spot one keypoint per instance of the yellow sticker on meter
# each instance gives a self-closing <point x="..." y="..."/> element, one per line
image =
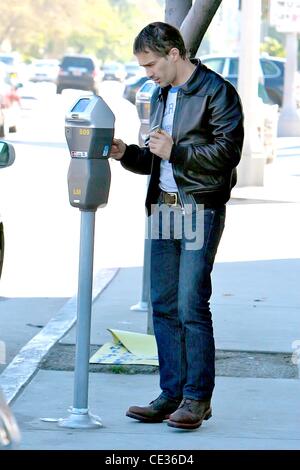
<point x="83" y="131"/>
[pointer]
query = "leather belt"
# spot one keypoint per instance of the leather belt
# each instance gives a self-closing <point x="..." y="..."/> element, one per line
<point x="171" y="199"/>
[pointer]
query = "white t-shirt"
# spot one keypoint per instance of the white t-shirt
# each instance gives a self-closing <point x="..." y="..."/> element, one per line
<point x="166" y="180"/>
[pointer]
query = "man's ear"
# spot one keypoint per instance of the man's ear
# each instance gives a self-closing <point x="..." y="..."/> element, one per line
<point x="174" y="54"/>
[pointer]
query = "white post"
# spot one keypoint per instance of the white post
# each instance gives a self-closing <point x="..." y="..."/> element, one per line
<point x="251" y="167"/>
<point x="289" y="119"/>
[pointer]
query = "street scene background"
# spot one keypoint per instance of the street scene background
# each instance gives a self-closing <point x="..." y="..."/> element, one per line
<point x="255" y="299"/>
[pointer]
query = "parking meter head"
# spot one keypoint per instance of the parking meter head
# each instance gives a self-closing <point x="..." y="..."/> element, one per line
<point x="89" y="183"/>
<point x="89" y="128"/>
<point x="89" y="132"/>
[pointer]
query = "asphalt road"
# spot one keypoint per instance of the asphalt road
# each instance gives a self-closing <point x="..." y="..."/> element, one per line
<point x="41" y="228"/>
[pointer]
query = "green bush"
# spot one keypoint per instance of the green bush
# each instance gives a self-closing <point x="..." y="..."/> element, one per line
<point x="272" y="47"/>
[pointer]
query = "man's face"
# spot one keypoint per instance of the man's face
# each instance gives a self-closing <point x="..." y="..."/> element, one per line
<point x="162" y="70"/>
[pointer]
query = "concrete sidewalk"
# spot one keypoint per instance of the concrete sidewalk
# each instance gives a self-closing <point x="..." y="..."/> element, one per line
<point x="248" y="412"/>
<point x="255" y="308"/>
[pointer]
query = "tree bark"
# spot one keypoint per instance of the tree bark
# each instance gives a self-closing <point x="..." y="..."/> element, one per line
<point x="176" y="11"/>
<point x="196" y="23"/>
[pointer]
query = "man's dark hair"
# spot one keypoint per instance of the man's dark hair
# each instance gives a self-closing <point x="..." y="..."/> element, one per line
<point x="160" y="38"/>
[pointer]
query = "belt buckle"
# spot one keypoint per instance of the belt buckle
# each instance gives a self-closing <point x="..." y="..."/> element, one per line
<point x="176" y="199"/>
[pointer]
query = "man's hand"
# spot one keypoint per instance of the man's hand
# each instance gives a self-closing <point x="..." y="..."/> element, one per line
<point x="117" y="149"/>
<point x="160" y="143"/>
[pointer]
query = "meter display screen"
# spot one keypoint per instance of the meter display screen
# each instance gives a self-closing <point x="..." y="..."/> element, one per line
<point x="81" y="105"/>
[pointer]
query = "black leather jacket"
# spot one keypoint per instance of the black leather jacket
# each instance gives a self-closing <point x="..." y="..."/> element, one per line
<point x="208" y="137"/>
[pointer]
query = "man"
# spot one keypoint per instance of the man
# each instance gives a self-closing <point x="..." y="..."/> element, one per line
<point x="191" y="157"/>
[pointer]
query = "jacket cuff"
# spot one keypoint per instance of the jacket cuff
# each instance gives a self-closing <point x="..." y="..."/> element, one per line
<point x="178" y="154"/>
<point x="125" y="154"/>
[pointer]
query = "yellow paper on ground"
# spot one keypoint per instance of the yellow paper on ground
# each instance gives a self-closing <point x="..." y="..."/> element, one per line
<point x="127" y="348"/>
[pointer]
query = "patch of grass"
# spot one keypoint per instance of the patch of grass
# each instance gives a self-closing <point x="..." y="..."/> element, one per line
<point x="119" y="369"/>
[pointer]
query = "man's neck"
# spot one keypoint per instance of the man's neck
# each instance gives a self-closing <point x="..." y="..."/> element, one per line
<point x="184" y="72"/>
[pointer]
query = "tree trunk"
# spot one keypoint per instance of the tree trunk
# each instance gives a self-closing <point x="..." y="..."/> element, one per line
<point x="196" y="23"/>
<point x="176" y="11"/>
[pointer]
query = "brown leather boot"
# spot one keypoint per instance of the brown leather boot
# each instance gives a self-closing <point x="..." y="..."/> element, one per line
<point x="157" y="410"/>
<point x="190" y="414"/>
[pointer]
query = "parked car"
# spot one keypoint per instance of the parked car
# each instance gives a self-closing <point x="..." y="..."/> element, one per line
<point x="14" y="66"/>
<point x="114" y="71"/>
<point x="44" y="70"/>
<point x="272" y="71"/>
<point x="9" y="103"/>
<point x="133" y="69"/>
<point x="7" y="157"/>
<point x="267" y="118"/>
<point x="132" y="85"/>
<point x="80" y="72"/>
<point x="9" y="430"/>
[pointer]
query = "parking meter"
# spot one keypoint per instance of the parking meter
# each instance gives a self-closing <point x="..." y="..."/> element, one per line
<point x="89" y="133"/>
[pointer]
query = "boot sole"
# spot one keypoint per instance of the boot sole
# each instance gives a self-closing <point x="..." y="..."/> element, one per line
<point x="175" y="424"/>
<point x="144" y="419"/>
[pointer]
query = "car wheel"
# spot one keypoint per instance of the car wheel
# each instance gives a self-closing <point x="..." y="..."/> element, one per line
<point x="1" y="247"/>
<point x="13" y="129"/>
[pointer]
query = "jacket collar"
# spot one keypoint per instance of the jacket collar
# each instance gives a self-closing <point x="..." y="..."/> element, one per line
<point x="193" y="83"/>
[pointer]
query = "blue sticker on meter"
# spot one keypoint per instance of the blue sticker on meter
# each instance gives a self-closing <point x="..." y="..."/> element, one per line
<point x="105" y="150"/>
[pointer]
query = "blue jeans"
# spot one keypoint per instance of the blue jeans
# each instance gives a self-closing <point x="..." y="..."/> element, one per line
<point x="180" y="293"/>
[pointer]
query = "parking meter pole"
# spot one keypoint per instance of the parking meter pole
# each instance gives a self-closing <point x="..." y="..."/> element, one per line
<point x="80" y="416"/>
<point x="146" y="268"/>
<point x="143" y="304"/>
<point x="84" y="308"/>
<point x="89" y="133"/>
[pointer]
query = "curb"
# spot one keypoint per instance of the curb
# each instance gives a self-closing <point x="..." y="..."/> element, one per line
<point x="25" y="364"/>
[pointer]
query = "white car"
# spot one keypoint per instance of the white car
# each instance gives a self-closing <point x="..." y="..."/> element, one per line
<point x="114" y="71"/>
<point x="14" y="66"/>
<point x="44" y="70"/>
